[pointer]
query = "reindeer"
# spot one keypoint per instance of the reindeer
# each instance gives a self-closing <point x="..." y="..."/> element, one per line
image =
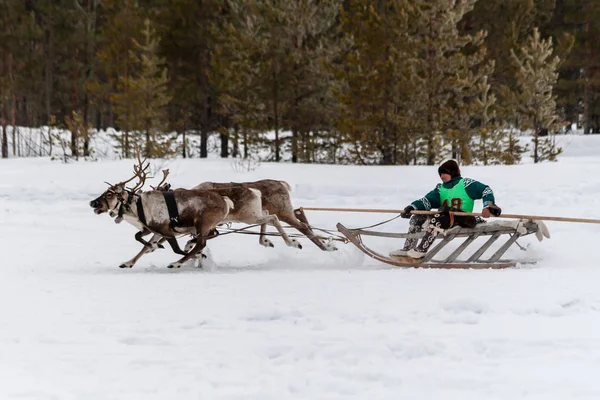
<point x="247" y="209"/>
<point x="200" y="211"/>
<point x="276" y="205"/>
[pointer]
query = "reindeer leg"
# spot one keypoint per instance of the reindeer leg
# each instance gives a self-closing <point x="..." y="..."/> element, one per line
<point x="175" y="246"/>
<point x="192" y="242"/>
<point x="200" y="244"/>
<point x="262" y="239"/>
<point x="188" y="246"/>
<point x="273" y="220"/>
<point x="152" y="245"/>
<point x="154" y="241"/>
<point x="304" y="228"/>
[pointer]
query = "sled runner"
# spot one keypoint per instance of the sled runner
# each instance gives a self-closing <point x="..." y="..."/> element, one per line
<point x="494" y="230"/>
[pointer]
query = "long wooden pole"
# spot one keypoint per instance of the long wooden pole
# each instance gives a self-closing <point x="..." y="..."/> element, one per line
<point x="511" y="216"/>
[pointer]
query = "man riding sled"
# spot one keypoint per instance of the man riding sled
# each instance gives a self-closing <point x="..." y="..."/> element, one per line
<point x="455" y="193"/>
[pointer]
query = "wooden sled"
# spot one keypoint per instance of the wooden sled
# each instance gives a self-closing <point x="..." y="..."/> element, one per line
<point x="495" y="229"/>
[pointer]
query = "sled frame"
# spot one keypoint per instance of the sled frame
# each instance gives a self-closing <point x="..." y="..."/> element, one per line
<point x="475" y="261"/>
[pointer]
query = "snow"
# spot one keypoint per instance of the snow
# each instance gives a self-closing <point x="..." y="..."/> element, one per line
<point x="283" y="323"/>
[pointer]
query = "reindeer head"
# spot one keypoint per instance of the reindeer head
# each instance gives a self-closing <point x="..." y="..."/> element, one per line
<point x="117" y="198"/>
<point x="110" y="200"/>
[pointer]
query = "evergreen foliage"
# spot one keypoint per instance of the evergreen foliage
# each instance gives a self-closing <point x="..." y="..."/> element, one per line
<point x="353" y="81"/>
<point x="536" y="77"/>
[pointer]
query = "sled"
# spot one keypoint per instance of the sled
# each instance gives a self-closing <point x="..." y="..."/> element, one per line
<point x="512" y="230"/>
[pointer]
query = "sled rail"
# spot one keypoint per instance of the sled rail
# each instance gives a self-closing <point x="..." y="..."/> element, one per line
<point x="494" y="231"/>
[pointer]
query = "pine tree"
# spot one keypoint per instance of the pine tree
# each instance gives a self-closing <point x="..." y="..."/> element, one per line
<point x="513" y="150"/>
<point x="374" y="82"/>
<point x="448" y="68"/>
<point x="486" y="146"/>
<point x="536" y="76"/>
<point x="187" y="31"/>
<point x="577" y="24"/>
<point x="148" y="94"/>
<point x="234" y="72"/>
<point x="11" y="22"/>
<point x="274" y="68"/>
<point x="309" y="36"/>
<point x="123" y="20"/>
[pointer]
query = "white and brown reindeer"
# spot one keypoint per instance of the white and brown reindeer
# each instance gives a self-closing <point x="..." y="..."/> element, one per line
<point x="276" y="205"/>
<point x="199" y="212"/>
<point x="247" y="209"/>
<point x="264" y="202"/>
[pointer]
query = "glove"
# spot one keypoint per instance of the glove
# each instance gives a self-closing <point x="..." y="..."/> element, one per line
<point x="493" y="209"/>
<point x="406" y="212"/>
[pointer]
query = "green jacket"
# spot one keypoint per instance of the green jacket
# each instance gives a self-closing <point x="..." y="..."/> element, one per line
<point x="475" y="189"/>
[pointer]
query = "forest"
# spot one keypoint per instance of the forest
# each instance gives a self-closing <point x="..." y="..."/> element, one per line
<point x="385" y="82"/>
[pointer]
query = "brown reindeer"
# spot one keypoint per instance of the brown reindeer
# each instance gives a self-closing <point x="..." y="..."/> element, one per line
<point x="200" y="211"/>
<point x="276" y="204"/>
<point x="247" y="209"/>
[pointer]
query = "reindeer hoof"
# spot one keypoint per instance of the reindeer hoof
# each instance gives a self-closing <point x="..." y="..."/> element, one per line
<point x="296" y="244"/>
<point x="267" y="243"/>
<point x="125" y="265"/>
<point x="203" y="256"/>
<point x="174" y="265"/>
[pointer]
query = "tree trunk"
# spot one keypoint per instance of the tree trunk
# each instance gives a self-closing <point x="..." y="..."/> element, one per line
<point x="48" y="75"/>
<point x="430" y="152"/>
<point x="203" y="143"/>
<point x="245" y="136"/>
<point x="236" y="139"/>
<point x="148" y="144"/>
<point x="126" y="144"/>
<point x="386" y="150"/>
<point x="276" y="114"/>
<point x="14" y="141"/>
<point x="224" y="145"/>
<point x="4" y="141"/>
<point x="587" y="71"/>
<point x="294" y="145"/>
<point x="75" y="106"/>
<point x="149" y="139"/>
<point x="536" y="141"/>
<point x="184" y="147"/>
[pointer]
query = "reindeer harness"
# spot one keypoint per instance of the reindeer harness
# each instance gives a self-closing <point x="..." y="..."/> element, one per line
<point x="125" y="205"/>
<point x="172" y="208"/>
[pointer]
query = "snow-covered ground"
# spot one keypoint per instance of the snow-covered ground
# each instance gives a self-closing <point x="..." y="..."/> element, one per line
<point x="283" y="323"/>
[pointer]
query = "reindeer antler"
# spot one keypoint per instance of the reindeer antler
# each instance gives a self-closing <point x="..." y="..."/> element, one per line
<point x="140" y="172"/>
<point x="165" y="174"/>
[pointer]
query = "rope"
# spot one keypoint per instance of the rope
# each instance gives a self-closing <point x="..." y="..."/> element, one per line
<point x="244" y="231"/>
<point x="510" y="216"/>
<point x="378" y="224"/>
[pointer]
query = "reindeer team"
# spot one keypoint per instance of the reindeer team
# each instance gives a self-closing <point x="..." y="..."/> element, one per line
<point x="199" y="211"/>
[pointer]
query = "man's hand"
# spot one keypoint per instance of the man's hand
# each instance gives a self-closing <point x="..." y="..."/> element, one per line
<point x="491" y="209"/>
<point x="406" y="212"/>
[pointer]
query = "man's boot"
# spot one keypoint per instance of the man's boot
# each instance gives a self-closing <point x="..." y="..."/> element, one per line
<point x="440" y="221"/>
<point x="415" y="226"/>
<point x="426" y="242"/>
